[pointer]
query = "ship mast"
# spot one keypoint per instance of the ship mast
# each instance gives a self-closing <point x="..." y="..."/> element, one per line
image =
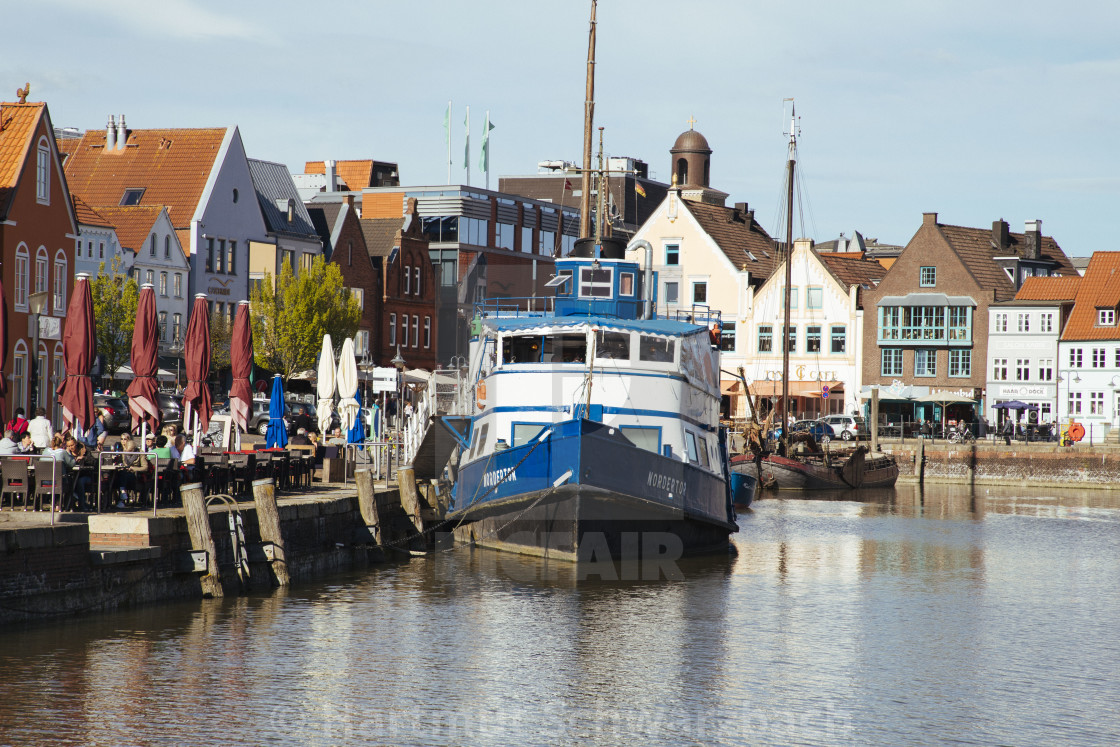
<point x="789" y="272"/>
<point x="588" y="119"/>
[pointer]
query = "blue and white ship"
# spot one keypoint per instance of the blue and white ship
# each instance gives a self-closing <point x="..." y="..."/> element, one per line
<point x="596" y="431"/>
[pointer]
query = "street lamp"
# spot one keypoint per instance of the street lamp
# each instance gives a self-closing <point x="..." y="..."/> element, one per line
<point x="38" y="304"/>
<point x="398" y="362"/>
<point x="175" y="348"/>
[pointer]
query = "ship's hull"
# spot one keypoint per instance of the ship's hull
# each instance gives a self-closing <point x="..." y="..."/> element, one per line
<point x="813" y="473"/>
<point x="585" y="493"/>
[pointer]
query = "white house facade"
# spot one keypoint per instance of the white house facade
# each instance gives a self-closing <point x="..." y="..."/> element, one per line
<point x="1022" y="359"/>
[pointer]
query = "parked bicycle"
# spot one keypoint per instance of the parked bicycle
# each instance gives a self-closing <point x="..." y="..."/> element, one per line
<point x="962" y="434"/>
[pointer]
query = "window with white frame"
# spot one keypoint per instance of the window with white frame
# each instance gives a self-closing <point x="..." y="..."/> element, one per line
<point x="1074" y="403"/>
<point x="61" y="276"/>
<point x="361" y="342"/>
<point x="595" y="282"/>
<point x="925" y="362"/>
<point x="163" y="283"/>
<point x="427" y="332"/>
<point x="960" y="362"/>
<point x="1106" y="317"/>
<point x="359" y="295"/>
<point x="1001" y="322"/>
<point x="404" y="330"/>
<point x="927" y="277"/>
<point x="19" y="375"/>
<point x="163" y="330"/>
<point x="891" y="362"/>
<point x="1046" y="322"/>
<point x="415" y="331"/>
<point x="814" y="297"/>
<point x="1046" y="369"/>
<point x="42" y="265"/>
<point x="765" y="338"/>
<point x="23" y="277"/>
<point x="43" y="172"/>
<point x="1024" y="322"/>
<point x="1023" y="369"/>
<point x="813" y="338"/>
<point x="178" y="285"/>
<point x="699" y="291"/>
<point x="839" y="335"/>
<point x="791" y="338"/>
<point x="392" y="329"/>
<point x="416" y="288"/>
<point x="1075" y="357"/>
<point x="670" y="292"/>
<point x="1098" y="357"/>
<point x="407" y="279"/>
<point x="1096" y="403"/>
<point x="150" y="278"/>
<point x="999" y="369"/>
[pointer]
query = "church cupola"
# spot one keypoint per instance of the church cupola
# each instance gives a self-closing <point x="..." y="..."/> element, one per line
<point x="691" y="159"/>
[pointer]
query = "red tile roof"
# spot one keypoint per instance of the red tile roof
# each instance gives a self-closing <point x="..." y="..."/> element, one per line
<point x="1099" y="288"/>
<point x="17" y="126"/>
<point x="354" y="175"/>
<point x="1049" y="288"/>
<point x="133" y="224"/>
<point x="171" y="165"/>
<point x="87" y="216"/>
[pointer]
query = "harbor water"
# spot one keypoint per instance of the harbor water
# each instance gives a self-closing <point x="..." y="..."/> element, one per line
<point x="903" y="617"/>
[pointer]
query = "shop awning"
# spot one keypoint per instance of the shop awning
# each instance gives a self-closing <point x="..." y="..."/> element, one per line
<point x="796" y="388"/>
<point x="730" y="386"/>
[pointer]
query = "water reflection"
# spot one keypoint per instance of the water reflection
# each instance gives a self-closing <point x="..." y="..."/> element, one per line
<point x="905" y="617"/>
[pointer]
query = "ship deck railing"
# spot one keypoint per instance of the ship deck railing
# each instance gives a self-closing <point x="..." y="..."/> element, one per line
<point x="532" y="306"/>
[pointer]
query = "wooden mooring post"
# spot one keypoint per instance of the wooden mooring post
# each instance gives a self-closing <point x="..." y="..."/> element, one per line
<point x="367" y="503"/>
<point x="268" y="520"/>
<point x="198" y="525"/>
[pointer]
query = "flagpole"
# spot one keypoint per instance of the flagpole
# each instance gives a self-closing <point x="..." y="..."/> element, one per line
<point x="447" y="126"/>
<point x="486" y="142"/>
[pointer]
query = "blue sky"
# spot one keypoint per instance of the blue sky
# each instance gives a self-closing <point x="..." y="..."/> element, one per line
<point x="976" y="110"/>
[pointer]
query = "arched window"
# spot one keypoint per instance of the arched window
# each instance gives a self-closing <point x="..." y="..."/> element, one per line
<point x="167" y="246"/>
<point x="682" y="171"/>
<point x="61" y="274"/>
<point x="56" y="381"/>
<point x="23" y="277"/>
<point x="19" y="376"/>
<point x="43" y="172"/>
<point x="42" y="268"/>
<point x="152" y="246"/>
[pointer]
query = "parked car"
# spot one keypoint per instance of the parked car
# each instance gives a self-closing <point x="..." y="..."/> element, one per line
<point x="818" y="429"/>
<point x="119" y="417"/>
<point x="171" y="408"/>
<point x="850" y="427"/>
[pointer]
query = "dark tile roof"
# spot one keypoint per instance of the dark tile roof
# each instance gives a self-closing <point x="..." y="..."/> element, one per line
<point x="852" y="270"/>
<point x="323" y="216"/>
<point x="273" y="183"/>
<point x="381" y="235"/>
<point x="977" y="251"/>
<point x="742" y="239"/>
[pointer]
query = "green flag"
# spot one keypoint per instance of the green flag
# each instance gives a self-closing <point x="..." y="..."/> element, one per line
<point x="467" y="143"/>
<point x="484" y="159"/>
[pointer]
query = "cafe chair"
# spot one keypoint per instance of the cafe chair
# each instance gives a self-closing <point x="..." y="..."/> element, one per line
<point x="16" y="481"/>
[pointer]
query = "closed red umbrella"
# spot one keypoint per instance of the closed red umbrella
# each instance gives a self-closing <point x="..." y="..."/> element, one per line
<point x="143" y="395"/>
<point x="197" y="347"/>
<point x="241" y="361"/>
<point x="79" y="348"/>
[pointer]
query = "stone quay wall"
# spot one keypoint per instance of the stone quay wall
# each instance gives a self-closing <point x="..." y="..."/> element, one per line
<point x="119" y="560"/>
<point x="1040" y="465"/>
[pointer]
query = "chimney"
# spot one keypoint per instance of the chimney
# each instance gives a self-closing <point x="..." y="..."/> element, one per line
<point x="1034" y="239"/>
<point x="122" y="134"/>
<point x="929" y="219"/>
<point x="111" y="134"/>
<point x="1001" y="236"/>
<point x="331" y="183"/>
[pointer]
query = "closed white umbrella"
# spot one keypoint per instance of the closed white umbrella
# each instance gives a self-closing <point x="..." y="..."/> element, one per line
<point x="325" y="387"/>
<point x="347" y="385"/>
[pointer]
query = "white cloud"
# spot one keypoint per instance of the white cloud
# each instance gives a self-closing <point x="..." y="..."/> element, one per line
<point x="181" y="19"/>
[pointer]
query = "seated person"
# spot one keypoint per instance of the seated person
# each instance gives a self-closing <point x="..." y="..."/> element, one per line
<point x="26" y="445"/>
<point x="10" y="443"/>
<point x="300" y="439"/>
<point x="186" y="456"/>
<point x="82" y="480"/>
<point x="135" y="474"/>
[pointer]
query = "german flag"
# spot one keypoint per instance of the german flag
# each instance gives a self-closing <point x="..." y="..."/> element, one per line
<point x="639" y="189"/>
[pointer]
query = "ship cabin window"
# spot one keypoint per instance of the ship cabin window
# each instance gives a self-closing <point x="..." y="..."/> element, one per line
<point x="612" y="345"/>
<point x="595" y="282"/>
<point x="521" y="349"/>
<point x="690" y="447"/>
<point x="656" y="349"/>
<point x="646" y="437"/>
<point x="523" y="433"/>
<point x="626" y="284"/>
<point x="569" y="348"/>
<point x="563" y="287"/>
<point x="480" y="440"/>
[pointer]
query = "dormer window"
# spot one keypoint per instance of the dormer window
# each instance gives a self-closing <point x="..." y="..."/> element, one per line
<point x="131" y="197"/>
<point x="1106" y="317"/>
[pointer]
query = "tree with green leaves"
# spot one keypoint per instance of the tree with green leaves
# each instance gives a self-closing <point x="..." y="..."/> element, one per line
<point x="221" y="337"/>
<point x="290" y="316"/>
<point x="115" y="294"/>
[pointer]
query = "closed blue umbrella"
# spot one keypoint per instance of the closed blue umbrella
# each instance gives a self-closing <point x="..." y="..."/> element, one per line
<point x="277" y="436"/>
<point x="357" y="432"/>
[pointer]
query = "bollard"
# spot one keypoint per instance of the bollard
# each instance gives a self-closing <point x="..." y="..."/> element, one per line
<point x="198" y="524"/>
<point x="367" y="503"/>
<point x="268" y="521"/>
<point x="920" y="464"/>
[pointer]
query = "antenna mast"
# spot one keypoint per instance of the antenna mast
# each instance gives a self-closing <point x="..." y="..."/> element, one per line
<point x="789" y="270"/>
<point x="588" y="119"/>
